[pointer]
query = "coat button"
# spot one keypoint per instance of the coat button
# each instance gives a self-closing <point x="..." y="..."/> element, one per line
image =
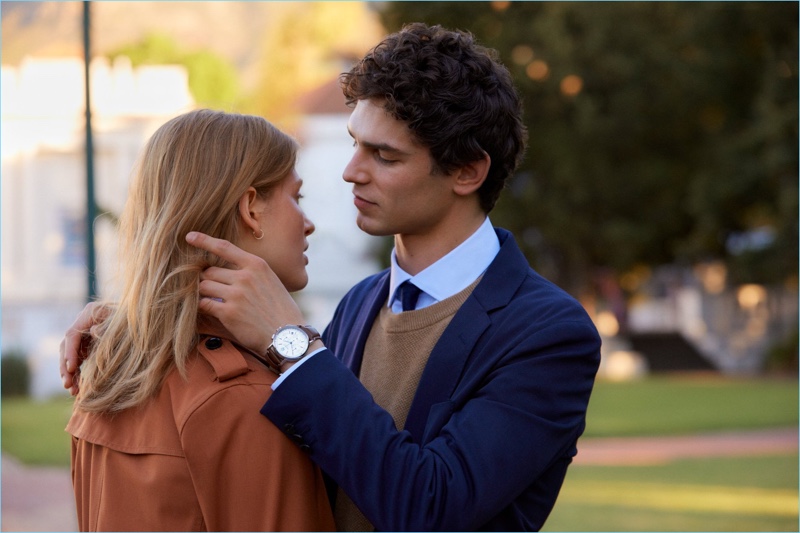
<point x="305" y="447"/>
<point x="214" y="343"/>
<point x="288" y="428"/>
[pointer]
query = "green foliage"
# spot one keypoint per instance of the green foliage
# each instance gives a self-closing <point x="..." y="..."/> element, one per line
<point x="783" y="355"/>
<point x="305" y="45"/>
<point x="33" y="431"/>
<point x="16" y="375"/>
<point x="213" y="81"/>
<point x="682" y="133"/>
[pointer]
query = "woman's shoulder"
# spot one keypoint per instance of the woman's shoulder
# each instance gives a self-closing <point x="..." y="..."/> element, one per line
<point x="216" y="367"/>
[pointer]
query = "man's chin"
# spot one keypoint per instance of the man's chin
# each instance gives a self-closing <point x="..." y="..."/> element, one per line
<point x="372" y="229"/>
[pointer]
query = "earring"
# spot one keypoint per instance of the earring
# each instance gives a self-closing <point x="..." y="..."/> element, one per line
<point x="259" y="237"/>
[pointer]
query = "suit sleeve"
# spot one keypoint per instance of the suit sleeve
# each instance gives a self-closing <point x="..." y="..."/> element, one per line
<point x="504" y="426"/>
<point x="246" y="474"/>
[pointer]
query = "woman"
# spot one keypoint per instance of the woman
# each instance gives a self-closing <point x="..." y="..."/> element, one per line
<point x="166" y="428"/>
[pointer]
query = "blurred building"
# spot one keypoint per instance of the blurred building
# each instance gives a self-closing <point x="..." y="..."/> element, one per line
<point x="733" y="327"/>
<point x="44" y="195"/>
<point x="693" y="319"/>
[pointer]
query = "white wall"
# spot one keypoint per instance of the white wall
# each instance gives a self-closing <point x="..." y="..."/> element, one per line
<point x="42" y="178"/>
<point x="339" y="253"/>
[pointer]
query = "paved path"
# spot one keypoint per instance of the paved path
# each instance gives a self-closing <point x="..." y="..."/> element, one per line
<point x="36" y="499"/>
<point x="649" y="450"/>
<point x="40" y="499"/>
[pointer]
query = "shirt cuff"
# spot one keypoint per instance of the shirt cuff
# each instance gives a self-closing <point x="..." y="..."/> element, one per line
<point x="294" y="367"/>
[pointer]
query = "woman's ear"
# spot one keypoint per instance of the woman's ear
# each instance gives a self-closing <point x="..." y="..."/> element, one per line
<point x="471" y="176"/>
<point x="248" y="210"/>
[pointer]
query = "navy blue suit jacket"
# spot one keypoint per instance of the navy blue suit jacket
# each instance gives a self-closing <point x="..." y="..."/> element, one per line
<point x="495" y="419"/>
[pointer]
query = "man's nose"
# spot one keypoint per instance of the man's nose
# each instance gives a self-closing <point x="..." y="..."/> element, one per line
<point x="354" y="171"/>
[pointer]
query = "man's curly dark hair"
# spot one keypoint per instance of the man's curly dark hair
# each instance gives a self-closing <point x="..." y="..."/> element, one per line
<point x="454" y="94"/>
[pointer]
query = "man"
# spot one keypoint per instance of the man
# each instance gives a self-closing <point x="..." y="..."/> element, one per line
<point x="455" y="403"/>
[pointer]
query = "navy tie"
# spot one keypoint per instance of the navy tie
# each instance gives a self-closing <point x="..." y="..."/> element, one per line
<point x="409" y="293"/>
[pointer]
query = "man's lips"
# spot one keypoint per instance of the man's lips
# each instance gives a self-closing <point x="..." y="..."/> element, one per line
<point x="362" y="203"/>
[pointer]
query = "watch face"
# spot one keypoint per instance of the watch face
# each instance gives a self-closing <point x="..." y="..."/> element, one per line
<point x="291" y="342"/>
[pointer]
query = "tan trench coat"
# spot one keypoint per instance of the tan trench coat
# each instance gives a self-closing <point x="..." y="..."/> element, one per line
<point x="199" y="456"/>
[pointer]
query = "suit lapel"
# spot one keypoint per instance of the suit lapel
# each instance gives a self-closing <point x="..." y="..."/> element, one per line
<point x="446" y="363"/>
<point x="448" y="358"/>
<point x="354" y="344"/>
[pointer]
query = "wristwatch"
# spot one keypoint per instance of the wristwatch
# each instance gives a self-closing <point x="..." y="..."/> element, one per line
<point x="290" y="343"/>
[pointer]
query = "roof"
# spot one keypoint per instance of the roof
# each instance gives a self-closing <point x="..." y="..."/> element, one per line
<point x="327" y="99"/>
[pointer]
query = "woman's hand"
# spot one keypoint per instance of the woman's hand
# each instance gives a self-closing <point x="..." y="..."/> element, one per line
<point x="247" y="298"/>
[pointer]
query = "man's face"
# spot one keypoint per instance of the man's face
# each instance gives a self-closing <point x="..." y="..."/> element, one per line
<point x="395" y="191"/>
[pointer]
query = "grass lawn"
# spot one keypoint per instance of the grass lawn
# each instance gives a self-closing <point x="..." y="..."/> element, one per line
<point x="659" y="405"/>
<point x="717" y="494"/>
<point x="671" y="405"/>
<point x="710" y="494"/>
<point x="33" y="432"/>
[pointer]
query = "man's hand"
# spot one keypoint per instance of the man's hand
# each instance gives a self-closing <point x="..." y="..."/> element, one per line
<point x="75" y="345"/>
<point x="248" y="298"/>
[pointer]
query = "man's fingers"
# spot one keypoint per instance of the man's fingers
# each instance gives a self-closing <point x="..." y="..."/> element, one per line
<point x="75" y="346"/>
<point x="69" y="346"/>
<point x="219" y="247"/>
<point x="221" y="275"/>
<point x="209" y="306"/>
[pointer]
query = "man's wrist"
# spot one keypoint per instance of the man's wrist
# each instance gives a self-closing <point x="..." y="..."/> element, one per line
<point x="313" y="347"/>
<point x="290" y="343"/>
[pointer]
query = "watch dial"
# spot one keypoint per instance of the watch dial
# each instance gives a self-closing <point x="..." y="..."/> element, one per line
<point x="291" y="343"/>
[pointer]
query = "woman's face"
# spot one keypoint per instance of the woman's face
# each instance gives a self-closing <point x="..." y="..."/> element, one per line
<point x="285" y="228"/>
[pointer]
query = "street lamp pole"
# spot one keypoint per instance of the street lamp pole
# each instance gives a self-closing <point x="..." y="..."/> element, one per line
<point x="91" y="282"/>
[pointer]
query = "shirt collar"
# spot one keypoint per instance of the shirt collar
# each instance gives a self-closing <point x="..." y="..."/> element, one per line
<point x="452" y="273"/>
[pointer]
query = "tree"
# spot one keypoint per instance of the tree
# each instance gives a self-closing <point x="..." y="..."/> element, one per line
<point x="213" y="81"/>
<point x="660" y="132"/>
<point x="306" y="45"/>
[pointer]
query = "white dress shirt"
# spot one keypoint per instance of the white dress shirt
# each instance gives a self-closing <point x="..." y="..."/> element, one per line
<point x="452" y="273"/>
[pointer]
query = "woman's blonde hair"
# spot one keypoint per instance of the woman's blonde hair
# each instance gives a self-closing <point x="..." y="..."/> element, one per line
<point x="189" y="177"/>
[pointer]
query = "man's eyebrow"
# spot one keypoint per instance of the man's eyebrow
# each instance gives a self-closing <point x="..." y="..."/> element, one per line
<point x="379" y="146"/>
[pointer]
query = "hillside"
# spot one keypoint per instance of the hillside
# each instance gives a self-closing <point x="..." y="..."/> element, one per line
<point x="232" y="29"/>
<point x="237" y="31"/>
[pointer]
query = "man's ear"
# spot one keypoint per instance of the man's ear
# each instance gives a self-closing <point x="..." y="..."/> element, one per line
<point x="247" y="209"/>
<point x="471" y="176"/>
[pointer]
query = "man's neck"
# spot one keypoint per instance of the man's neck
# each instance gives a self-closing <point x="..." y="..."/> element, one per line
<point x="415" y="253"/>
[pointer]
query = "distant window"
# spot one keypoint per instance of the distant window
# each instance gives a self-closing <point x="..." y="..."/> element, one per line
<point x="73" y="228"/>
